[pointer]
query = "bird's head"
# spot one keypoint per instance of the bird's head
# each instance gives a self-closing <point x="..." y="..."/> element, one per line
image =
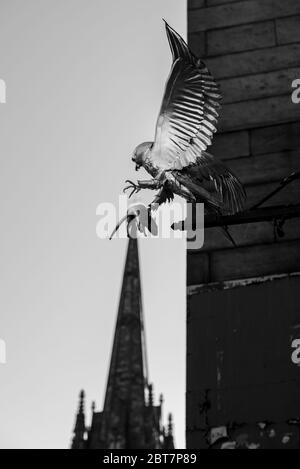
<point x="140" y="154"/>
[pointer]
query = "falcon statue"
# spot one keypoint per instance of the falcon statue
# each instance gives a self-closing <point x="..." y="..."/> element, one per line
<point x="177" y="159"/>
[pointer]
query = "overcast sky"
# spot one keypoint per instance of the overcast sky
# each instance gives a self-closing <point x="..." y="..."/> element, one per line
<point x="84" y="85"/>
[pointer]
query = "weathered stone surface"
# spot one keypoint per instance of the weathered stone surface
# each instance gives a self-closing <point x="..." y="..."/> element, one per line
<point x="198" y="269"/>
<point x="255" y="261"/>
<point x="243" y="12"/>
<point x="258" y="86"/>
<point x="243" y="262"/>
<point x="210" y="3"/>
<point x="239" y="38"/>
<point x="258" y="112"/>
<point x="288" y="29"/>
<point x="197" y="44"/>
<point x="289" y="195"/>
<point x="256" y="61"/>
<point x="248" y="235"/>
<point x="231" y="145"/>
<point x="192" y="4"/>
<point x="253" y="50"/>
<point x="275" y="138"/>
<point x="233" y="379"/>
<point x="269" y="167"/>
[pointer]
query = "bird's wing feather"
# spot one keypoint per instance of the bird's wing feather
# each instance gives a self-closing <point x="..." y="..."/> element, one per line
<point x="178" y="46"/>
<point x="188" y="114"/>
<point x="210" y="171"/>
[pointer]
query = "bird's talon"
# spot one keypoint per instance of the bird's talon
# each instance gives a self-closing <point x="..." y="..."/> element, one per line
<point x="134" y="187"/>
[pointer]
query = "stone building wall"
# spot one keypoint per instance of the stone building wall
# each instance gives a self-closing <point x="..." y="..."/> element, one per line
<point x="252" y="47"/>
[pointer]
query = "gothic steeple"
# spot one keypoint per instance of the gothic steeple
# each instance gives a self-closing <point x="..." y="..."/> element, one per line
<point x="78" y="441"/>
<point x="123" y="414"/>
<point x="127" y="421"/>
<point x="169" y="439"/>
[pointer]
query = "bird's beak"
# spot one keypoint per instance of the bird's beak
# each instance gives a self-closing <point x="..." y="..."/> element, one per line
<point x="137" y="167"/>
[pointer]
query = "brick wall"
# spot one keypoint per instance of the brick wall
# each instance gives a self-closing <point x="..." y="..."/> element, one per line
<point x="252" y="47"/>
<point x="239" y="332"/>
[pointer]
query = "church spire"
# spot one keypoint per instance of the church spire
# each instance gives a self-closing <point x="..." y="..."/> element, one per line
<point x="169" y="438"/>
<point x="79" y="429"/>
<point x="123" y="413"/>
<point x="127" y="420"/>
<point x="170" y="425"/>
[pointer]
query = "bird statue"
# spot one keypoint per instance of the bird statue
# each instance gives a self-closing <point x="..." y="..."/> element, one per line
<point x="177" y="159"/>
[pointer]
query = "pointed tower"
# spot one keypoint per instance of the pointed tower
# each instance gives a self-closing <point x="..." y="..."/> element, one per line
<point x="127" y="421"/>
<point x="169" y="439"/>
<point x="123" y="414"/>
<point x="78" y="441"/>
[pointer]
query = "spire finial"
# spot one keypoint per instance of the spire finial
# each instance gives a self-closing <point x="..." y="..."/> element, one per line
<point x="170" y="425"/>
<point x="161" y="399"/>
<point x="150" y="395"/>
<point x="81" y="402"/>
<point x="93" y="406"/>
<point x="79" y="429"/>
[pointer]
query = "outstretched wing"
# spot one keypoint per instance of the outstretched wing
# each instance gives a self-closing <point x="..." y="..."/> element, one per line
<point x="188" y="114"/>
<point x="216" y="177"/>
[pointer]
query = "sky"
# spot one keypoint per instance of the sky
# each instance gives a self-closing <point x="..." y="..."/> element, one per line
<point x="84" y="86"/>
